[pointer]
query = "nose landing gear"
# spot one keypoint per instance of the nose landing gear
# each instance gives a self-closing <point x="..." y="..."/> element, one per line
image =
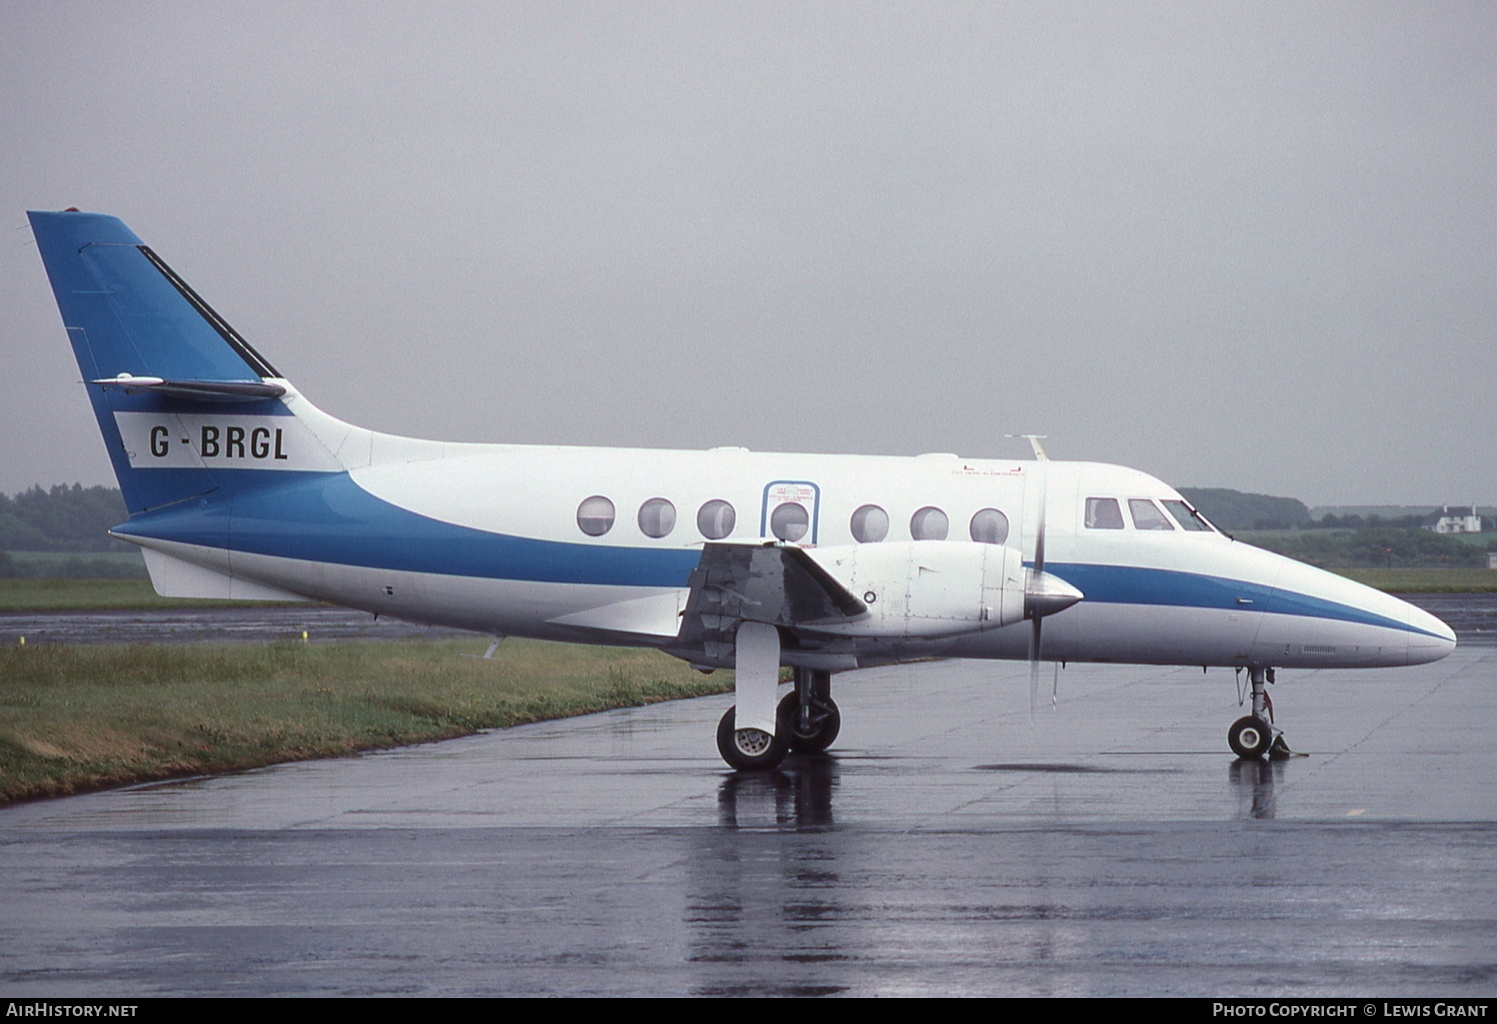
<point x="1254" y="735"/>
<point x="1250" y="737"/>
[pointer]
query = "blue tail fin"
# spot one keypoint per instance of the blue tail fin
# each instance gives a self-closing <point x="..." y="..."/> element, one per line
<point x="148" y="344"/>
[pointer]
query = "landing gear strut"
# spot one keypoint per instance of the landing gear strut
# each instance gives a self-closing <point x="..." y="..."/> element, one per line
<point x="809" y="717"/>
<point x="750" y="737"/>
<point x="1253" y="736"/>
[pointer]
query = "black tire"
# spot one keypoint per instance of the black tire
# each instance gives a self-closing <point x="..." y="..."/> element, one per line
<point x="749" y="750"/>
<point x="825" y="732"/>
<point x="1250" y="737"/>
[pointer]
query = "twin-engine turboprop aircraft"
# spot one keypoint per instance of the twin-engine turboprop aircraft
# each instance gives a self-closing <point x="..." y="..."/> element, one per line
<point x="238" y="487"/>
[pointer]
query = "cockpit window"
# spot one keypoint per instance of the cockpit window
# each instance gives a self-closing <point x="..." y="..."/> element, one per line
<point x="1103" y="514"/>
<point x="1187" y="517"/>
<point x="1146" y="515"/>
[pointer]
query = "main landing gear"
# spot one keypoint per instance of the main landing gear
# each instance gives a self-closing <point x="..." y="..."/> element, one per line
<point x="1254" y="736"/>
<point x="806" y="721"/>
<point x="809" y="717"/>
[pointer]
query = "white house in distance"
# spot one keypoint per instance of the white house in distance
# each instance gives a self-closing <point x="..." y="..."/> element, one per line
<point x="1457" y="519"/>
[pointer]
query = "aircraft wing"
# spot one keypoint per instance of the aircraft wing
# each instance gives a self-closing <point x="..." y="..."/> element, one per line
<point x="771" y="583"/>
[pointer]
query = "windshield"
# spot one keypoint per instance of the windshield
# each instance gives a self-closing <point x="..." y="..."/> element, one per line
<point x="1187" y="517"/>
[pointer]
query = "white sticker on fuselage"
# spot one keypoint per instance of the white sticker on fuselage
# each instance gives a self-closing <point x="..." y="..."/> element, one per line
<point x="220" y="441"/>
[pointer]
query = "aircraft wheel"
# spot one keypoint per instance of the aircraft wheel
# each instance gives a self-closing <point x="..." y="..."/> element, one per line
<point x="821" y="736"/>
<point x="1250" y="737"/>
<point x="749" y="750"/>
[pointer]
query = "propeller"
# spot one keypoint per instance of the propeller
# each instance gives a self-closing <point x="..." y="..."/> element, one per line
<point x="1044" y="594"/>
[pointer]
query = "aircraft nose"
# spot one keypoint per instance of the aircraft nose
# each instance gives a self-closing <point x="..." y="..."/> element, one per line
<point x="1430" y="639"/>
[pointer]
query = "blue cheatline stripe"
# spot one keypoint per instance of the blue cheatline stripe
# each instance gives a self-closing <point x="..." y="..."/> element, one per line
<point x="326" y="517"/>
<point x="1124" y="584"/>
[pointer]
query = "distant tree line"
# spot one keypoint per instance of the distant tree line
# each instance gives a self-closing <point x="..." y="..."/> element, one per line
<point x="1236" y="510"/>
<point x="1352" y="521"/>
<point x="62" y="518"/>
<point x="1393" y="548"/>
<point x="55" y="566"/>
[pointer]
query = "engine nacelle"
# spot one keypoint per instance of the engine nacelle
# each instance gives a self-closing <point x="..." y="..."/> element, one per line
<point x="927" y="588"/>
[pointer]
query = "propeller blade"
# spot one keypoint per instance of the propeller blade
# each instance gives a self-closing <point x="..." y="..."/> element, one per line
<point x="1039" y="528"/>
<point x="1035" y="610"/>
<point x="1034" y="665"/>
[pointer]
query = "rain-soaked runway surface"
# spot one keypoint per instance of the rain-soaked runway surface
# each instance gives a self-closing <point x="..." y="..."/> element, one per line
<point x="228" y="624"/>
<point x="948" y="846"/>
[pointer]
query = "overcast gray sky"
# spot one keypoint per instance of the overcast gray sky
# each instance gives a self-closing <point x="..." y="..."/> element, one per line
<point x="1242" y="245"/>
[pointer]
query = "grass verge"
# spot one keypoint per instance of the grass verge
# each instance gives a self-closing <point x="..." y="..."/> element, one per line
<point x="79" y="718"/>
<point x="60" y="595"/>
<point x="1464" y="580"/>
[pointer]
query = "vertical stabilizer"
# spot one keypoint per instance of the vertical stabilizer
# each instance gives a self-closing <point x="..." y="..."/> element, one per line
<point x="172" y="385"/>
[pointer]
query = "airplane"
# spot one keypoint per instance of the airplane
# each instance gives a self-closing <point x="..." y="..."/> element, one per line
<point x="238" y="487"/>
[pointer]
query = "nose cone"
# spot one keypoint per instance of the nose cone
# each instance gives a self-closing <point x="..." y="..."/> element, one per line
<point x="1316" y="619"/>
<point x="1430" y="639"/>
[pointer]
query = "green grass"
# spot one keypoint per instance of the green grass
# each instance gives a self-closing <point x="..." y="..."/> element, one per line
<point x="1465" y="580"/>
<point x="81" y="718"/>
<point x="53" y="595"/>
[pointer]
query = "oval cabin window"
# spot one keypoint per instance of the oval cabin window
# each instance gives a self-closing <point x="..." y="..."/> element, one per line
<point x="595" y="515"/>
<point x="989" y="526"/>
<point x="789" y="521"/>
<point x="870" y="524"/>
<point x="929" y="523"/>
<point x="657" y="517"/>
<point x="715" y="519"/>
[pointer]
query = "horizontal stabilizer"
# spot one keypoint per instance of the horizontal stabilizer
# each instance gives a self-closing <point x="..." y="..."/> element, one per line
<point x="202" y="390"/>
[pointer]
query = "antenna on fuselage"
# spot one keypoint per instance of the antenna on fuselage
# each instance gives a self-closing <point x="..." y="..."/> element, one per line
<point x="1034" y="442"/>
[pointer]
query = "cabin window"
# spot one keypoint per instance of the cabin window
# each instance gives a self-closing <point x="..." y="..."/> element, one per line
<point x="715" y="519"/>
<point x="595" y="515"/>
<point x="1186" y="516"/>
<point x="930" y="523"/>
<point x="1103" y="514"/>
<point x="789" y="520"/>
<point x="1146" y="515"/>
<point x="870" y="524"/>
<point x="657" y="517"/>
<point x="989" y="526"/>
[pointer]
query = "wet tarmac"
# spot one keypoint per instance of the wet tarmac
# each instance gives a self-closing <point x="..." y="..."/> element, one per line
<point x="221" y="625"/>
<point x="948" y="846"/>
